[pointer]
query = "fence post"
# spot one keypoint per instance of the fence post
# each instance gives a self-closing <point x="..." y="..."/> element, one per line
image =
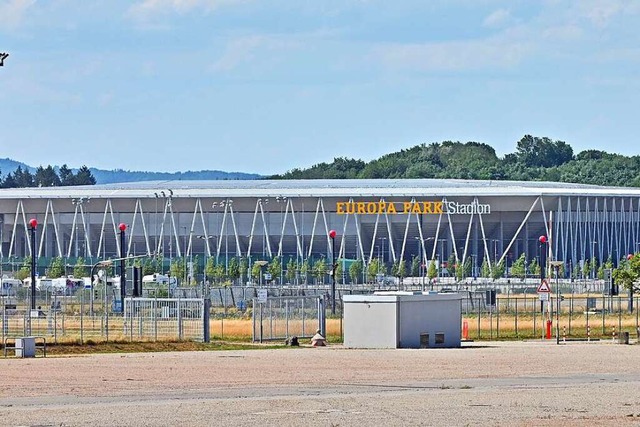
<point x="286" y="317"/>
<point x="479" y="301"/>
<point x="535" y="312"/>
<point x="206" y="307"/>
<point x="516" y="316"/>
<point x="603" y="313"/>
<point x="303" y="318"/>
<point x="620" y="314"/>
<point x="82" y="316"/>
<point x="322" y="323"/>
<point x="179" y="319"/>
<point x="497" y="317"/>
<point x="5" y="329"/>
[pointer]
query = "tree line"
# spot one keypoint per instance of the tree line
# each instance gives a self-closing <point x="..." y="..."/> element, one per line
<point x="535" y="159"/>
<point x="47" y="177"/>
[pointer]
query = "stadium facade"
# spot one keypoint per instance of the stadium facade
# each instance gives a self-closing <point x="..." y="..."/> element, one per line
<point x="390" y="220"/>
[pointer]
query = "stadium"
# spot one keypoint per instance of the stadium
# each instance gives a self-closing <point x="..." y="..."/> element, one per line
<point x="387" y="220"/>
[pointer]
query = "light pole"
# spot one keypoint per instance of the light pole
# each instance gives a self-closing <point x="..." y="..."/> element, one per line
<point x="556" y="267"/>
<point x="543" y="267"/>
<point x="227" y="204"/>
<point x="205" y="240"/>
<point x="423" y="262"/>
<point x="420" y="271"/>
<point x="441" y="263"/>
<point x="123" y="282"/>
<point x="281" y="200"/>
<point x="332" y="235"/>
<point x="593" y="259"/>
<point x="33" y="224"/>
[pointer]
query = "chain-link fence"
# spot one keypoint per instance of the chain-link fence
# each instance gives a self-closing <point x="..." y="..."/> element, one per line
<point x="279" y="318"/>
<point x="578" y="316"/>
<point x="164" y="319"/>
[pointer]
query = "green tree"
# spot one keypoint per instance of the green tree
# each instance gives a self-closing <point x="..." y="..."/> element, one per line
<point x="586" y="268"/>
<point x="256" y="271"/>
<point x="465" y="271"/>
<point x="233" y="271"/>
<point x="518" y="267"/>
<point x="355" y="271"/>
<point x="195" y="269"/>
<point x="415" y="266"/>
<point x="244" y="269"/>
<point x="210" y="268"/>
<point x="177" y="268"/>
<point x="22" y="178"/>
<point x="320" y="270"/>
<point x="628" y="273"/>
<point x="305" y="269"/>
<point x="84" y="177"/>
<point x="485" y="271"/>
<point x="575" y="274"/>
<point x="339" y="271"/>
<point x="46" y="177"/>
<point x="291" y="271"/>
<point x="498" y="270"/>
<point x="432" y="272"/>
<point x="66" y="175"/>
<point x="80" y="270"/>
<point x="372" y="270"/>
<point x="275" y="268"/>
<point x="56" y="268"/>
<point x="149" y="266"/>
<point x="452" y="264"/>
<point x="534" y="267"/>
<point x="399" y="269"/>
<point x="25" y="269"/>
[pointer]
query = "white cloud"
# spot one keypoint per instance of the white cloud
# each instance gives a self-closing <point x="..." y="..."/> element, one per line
<point x="498" y="19"/>
<point x="601" y="12"/>
<point x="455" y="55"/>
<point x="12" y="12"/>
<point x="563" y="33"/>
<point x="245" y="49"/>
<point x="147" y="9"/>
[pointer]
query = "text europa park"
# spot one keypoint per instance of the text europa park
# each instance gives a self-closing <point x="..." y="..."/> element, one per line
<point x="449" y="207"/>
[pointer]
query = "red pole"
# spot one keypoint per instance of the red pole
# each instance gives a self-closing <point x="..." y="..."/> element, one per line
<point x="549" y="329"/>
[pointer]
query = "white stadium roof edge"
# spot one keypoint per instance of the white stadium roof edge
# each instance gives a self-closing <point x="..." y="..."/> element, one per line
<point x="322" y="188"/>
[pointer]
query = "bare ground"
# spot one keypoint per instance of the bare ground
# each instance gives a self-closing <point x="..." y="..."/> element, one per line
<point x="505" y="383"/>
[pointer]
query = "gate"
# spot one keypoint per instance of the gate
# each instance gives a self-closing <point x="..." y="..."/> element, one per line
<point x="278" y="318"/>
<point x="164" y="319"/>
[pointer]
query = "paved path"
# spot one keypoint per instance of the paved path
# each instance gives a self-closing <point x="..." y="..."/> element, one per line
<point x="530" y="383"/>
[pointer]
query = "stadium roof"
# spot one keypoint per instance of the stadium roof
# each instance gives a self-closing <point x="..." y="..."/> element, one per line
<point x="320" y="188"/>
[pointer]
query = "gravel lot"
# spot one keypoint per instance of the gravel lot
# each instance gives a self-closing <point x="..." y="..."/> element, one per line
<point x="514" y="383"/>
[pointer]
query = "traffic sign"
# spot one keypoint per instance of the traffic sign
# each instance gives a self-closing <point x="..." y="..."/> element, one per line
<point x="544" y="296"/>
<point x="544" y="287"/>
<point x="262" y="296"/>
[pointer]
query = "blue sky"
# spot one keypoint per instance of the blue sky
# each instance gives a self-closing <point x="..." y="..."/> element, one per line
<point x="268" y="85"/>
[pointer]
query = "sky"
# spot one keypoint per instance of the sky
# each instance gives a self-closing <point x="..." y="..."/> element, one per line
<point x="264" y="86"/>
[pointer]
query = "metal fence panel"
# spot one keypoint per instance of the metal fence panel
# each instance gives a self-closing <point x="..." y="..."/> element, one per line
<point x="280" y="318"/>
<point x="164" y="318"/>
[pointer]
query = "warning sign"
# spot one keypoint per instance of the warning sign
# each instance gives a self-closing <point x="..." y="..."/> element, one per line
<point x="544" y="288"/>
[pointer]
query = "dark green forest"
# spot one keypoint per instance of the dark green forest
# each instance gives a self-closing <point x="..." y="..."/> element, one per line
<point x="535" y="159"/>
<point x="47" y="177"/>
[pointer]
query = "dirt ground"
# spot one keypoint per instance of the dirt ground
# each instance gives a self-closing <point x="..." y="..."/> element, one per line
<point x="496" y="383"/>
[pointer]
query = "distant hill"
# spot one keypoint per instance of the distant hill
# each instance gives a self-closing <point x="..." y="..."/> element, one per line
<point x="118" y="175"/>
<point x="9" y="165"/>
<point x="113" y="176"/>
<point x="535" y="159"/>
